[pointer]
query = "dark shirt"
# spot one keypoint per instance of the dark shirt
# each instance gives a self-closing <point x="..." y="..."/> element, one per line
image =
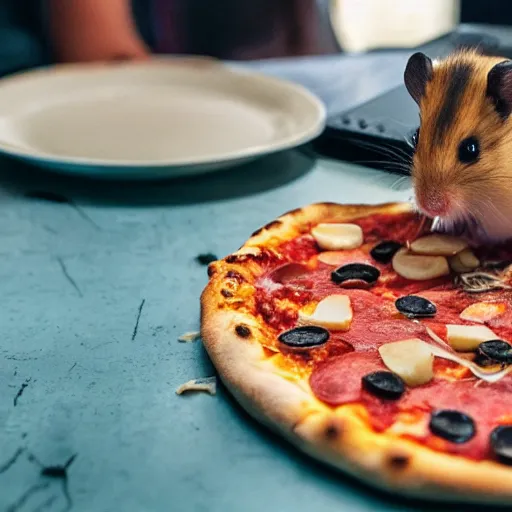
<point x="235" y="29"/>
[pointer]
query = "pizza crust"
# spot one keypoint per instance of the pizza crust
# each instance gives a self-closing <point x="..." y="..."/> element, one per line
<point x="339" y="437"/>
<point x="295" y="222"/>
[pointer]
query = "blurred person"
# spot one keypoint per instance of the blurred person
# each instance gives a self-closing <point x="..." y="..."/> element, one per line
<point x="101" y="30"/>
<point x="20" y="41"/>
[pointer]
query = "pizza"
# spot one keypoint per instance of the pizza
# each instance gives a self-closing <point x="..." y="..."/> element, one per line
<point x="373" y="344"/>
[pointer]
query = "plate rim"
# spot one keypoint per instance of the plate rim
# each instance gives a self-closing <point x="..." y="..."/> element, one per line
<point x="197" y="64"/>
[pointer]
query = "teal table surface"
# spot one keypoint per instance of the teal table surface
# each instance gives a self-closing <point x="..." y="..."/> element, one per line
<point x="98" y="281"/>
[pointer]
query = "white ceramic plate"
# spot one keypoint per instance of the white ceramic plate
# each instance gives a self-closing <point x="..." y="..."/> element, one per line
<point x="165" y="117"/>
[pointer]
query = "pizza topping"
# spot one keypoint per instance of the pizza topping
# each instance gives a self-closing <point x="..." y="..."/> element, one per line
<point x="206" y="258"/>
<point x="334" y="312"/>
<point x="419" y="268"/>
<point x="413" y="306"/>
<point x="207" y="384"/>
<point x="467" y="338"/>
<point x="333" y="258"/>
<point x="438" y="245"/>
<point x="453" y="426"/>
<point x="464" y="261"/>
<point x="496" y="264"/>
<point x="411" y="422"/>
<point x="501" y="443"/>
<point x="287" y="272"/>
<point x="468" y="259"/>
<point x="354" y="273"/>
<point x="496" y="350"/>
<point x="334" y="237"/>
<point x="412" y="360"/>
<point x="189" y="337"/>
<point x="305" y="337"/>
<point x="487" y="376"/>
<point x="384" y="252"/>
<point x="338" y="258"/>
<point x="384" y="385"/>
<point x="479" y="282"/>
<point x="337" y="380"/>
<point x="482" y="312"/>
<point x="485" y="362"/>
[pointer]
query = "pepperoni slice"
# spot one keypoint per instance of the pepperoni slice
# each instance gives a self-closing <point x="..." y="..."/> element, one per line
<point x="288" y="272"/>
<point x="338" y="380"/>
<point x="366" y="336"/>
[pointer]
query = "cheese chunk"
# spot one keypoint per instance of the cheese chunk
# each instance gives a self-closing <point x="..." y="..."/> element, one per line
<point x="464" y="261"/>
<point x="438" y="245"/>
<point x="334" y="237"/>
<point x="466" y="338"/>
<point x="412" y="360"/>
<point x="482" y="312"/>
<point x="189" y="337"/>
<point x="334" y="312"/>
<point x="206" y="384"/>
<point x="411" y="423"/>
<point x="419" y="268"/>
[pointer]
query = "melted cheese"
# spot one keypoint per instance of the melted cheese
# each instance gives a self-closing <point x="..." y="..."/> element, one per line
<point x="482" y="312"/>
<point x="440" y="351"/>
<point x="410" y="423"/>
<point x="286" y="367"/>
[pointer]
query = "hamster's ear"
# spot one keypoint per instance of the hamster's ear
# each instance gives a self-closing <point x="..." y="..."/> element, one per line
<point x="499" y="87"/>
<point x="417" y="73"/>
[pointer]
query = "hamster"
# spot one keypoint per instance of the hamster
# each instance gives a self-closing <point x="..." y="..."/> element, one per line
<point x="462" y="163"/>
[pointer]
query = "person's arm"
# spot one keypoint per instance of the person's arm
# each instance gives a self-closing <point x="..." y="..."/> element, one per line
<point x="94" y="30"/>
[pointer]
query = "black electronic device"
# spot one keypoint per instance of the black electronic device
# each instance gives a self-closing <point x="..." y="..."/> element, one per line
<point x="373" y="132"/>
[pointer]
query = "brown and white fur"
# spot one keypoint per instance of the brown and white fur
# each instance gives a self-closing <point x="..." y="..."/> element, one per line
<point x="465" y="96"/>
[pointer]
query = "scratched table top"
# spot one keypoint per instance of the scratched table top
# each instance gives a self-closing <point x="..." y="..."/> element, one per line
<point x="98" y="281"/>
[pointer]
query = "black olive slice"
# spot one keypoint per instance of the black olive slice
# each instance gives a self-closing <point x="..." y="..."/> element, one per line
<point x="484" y="361"/>
<point x="496" y="350"/>
<point x="384" y="385"/>
<point x="206" y="258"/>
<point x="496" y="265"/>
<point x="308" y="336"/>
<point x="453" y="426"/>
<point x="384" y="252"/>
<point x="356" y="272"/>
<point x="501" y="443"/>
<point x="413" y="306"/>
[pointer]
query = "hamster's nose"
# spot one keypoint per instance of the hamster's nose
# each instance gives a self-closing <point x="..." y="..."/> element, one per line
<point x="434" y="203"/>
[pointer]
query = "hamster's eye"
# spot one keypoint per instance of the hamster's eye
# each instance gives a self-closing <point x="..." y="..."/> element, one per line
<point x="415" y="137"/>
<point x="469" y="150"/>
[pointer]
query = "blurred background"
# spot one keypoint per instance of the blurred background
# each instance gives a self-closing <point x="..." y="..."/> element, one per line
<point x="246" y="30"/>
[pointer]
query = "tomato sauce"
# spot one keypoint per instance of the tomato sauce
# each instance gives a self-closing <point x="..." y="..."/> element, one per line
<point x="337" y="371"/>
